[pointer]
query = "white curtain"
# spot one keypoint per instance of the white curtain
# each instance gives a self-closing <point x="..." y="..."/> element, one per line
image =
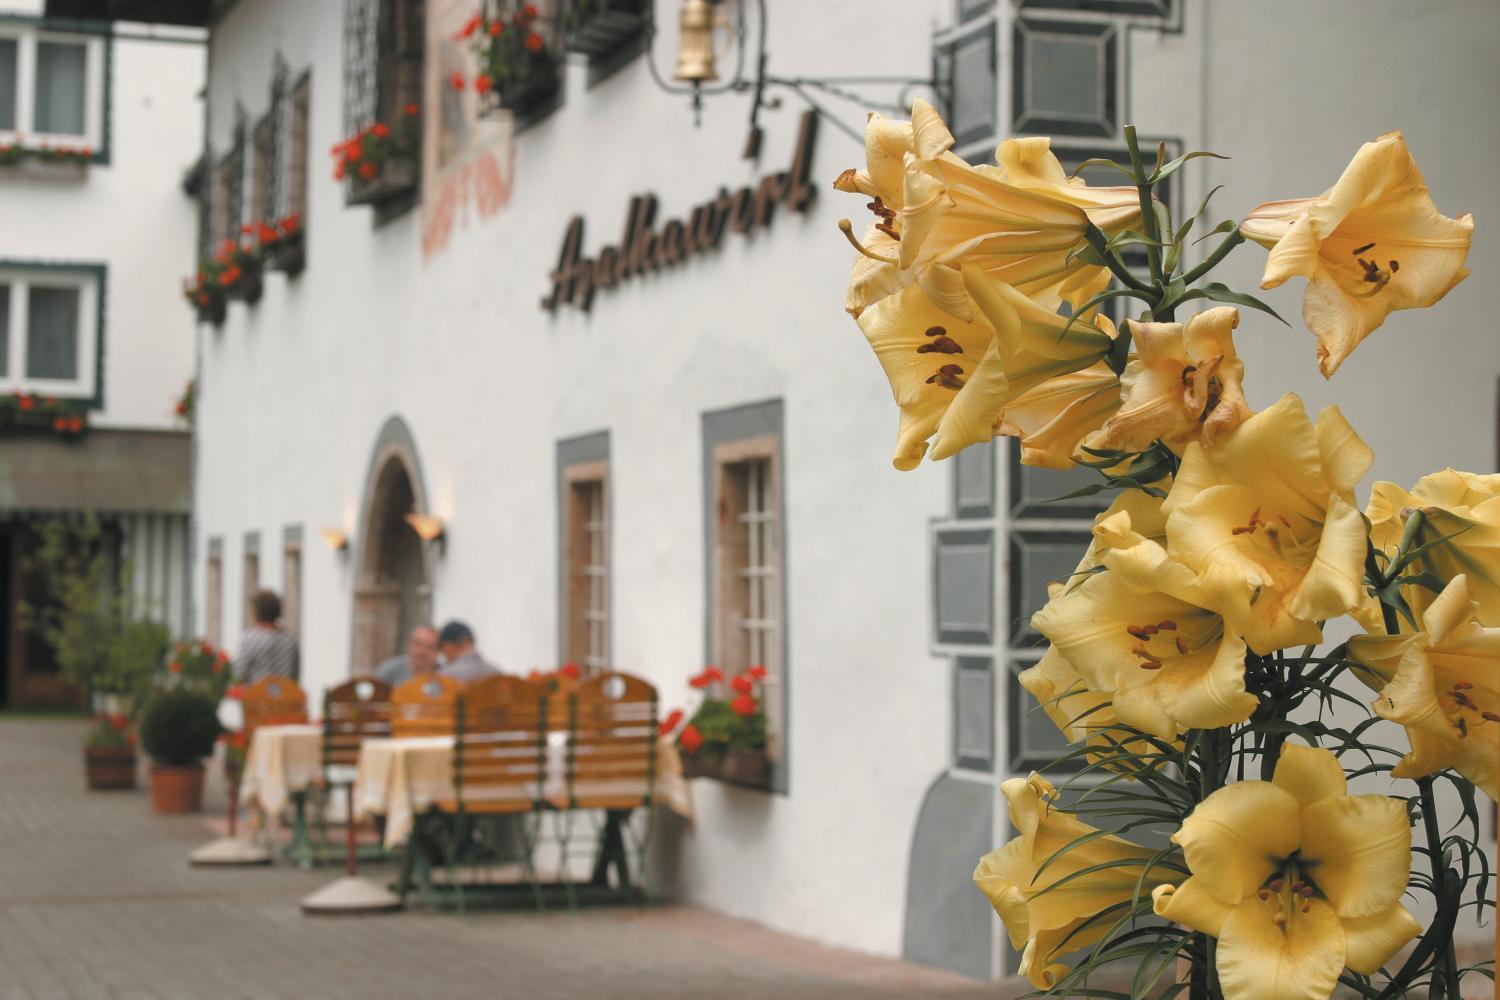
<point x="52" y="333"/>
<point x="59" y="88"/>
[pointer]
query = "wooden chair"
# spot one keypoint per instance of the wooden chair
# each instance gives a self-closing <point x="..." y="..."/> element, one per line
<point x="272" y="701"/>
<point x="356" y="710"/>
<point x="425" y="706"/>
<point x="611" y="767"/>
<point x="499" y="770"/>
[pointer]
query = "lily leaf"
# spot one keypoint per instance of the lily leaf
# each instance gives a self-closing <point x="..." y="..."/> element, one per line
<point x="1162" y="173"/>
<point x="1223" y="293"/>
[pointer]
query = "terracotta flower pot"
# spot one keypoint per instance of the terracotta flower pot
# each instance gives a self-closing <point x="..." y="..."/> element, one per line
<point x="177" y="788"/>
<point x="109" y="768"/>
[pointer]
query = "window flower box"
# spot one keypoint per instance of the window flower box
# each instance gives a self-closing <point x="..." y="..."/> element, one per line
<point x="379" y="162"/>
<point x="747" y="766"/>
<point x="518" y="71"/>
<point x="24" y="412"/>
<point x="245" y="279"/>
<point x="281" y="245"/>
<point x="46" y="162"/>
<point x="726" y="738"/>
<point x="596" y="28"/>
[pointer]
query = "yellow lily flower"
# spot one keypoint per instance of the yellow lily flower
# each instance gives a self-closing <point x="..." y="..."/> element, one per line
<point x="935" y="211"/>
<point x="1443" y="685"/>
<point x="1462" y="505"/>
<point x="944" y="373"/>
<point x="1184" y="384"/>
<point x="1053" y="419"/>
<point x="1057" y="911"/>
<point x="1374" y="242"/>
<point x="1266" y="519"/>
<point x="1296" y="878"/>
<point x="1141" y="632"/>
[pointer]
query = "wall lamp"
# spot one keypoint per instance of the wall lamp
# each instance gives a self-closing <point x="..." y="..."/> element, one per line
<point x="429" y="528"/>
<point x="701" y="22"/>
<point x="335" y="539"/>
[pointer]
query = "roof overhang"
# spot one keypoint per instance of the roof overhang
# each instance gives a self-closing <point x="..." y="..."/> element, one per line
<point x="183" y="13"/>
<point x="104" y="471"/>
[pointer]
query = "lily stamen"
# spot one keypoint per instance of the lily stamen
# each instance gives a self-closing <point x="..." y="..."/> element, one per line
<point x="847" y="228"/>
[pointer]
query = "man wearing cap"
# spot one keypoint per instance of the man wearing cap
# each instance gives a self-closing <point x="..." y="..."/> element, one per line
<point x="461" y="660"/>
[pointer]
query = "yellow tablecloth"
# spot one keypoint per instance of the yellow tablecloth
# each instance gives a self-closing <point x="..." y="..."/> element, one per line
<point x="279" y="761"/>
<point x="399" y="778"/>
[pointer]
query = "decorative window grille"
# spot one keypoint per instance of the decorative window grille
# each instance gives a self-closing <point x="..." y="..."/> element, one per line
<point x="383" y="48"/>
<point x="588" y="571"/>
<point x="295" y="190"/>
<point x="966" y="68"/>
<point x="278" y="122"/>
<point x="263" y="169"/>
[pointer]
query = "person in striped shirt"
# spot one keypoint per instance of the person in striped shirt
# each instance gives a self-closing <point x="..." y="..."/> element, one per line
<point x="267" y="649"/>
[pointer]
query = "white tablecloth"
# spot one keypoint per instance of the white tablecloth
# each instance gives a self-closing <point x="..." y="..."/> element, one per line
<point x="399" y="778"/>
<point x="279" y="761"/>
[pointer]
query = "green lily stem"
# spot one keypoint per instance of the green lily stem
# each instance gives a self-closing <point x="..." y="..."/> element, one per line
<point x="1213" y="260"/>
<point x="1148" y="213"/>
<point x="1100" y="243"/>
<point x="1445" y="964"/>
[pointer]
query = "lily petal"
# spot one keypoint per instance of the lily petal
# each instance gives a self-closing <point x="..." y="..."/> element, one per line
<point x="1360" y="851"/>
<point x="1261" y="960"/>
<point x="1232" y="836"/>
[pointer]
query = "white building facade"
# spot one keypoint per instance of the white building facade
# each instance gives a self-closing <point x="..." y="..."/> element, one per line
<point x="695" y="468"/>
<point x="98" y="123"/>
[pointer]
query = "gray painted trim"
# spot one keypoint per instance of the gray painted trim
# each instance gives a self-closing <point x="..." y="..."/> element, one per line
<point x="252" y="544"/>
<point x="738" y="423"/>
<point x="100" y="274"/>
<point x="291" y="535"/>
<point x="584" y="448"/>
<point x="216" y="547"/>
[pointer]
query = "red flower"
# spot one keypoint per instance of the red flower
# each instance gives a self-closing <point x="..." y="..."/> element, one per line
<point x="690" y="739"/>
<point x="291" y="224"/>
<point x="470" y="26"/>
<point x="700" y="681"/>
<point x="247" y="229"/>
<point x="75" y="424"/>
<point x="353" y="150"/>
<point x="181" y="409"/>
<point x="230" y="275"/>
<point x="496" y="27"/>
<point x="60" y="425"/>
<point x="670" y="722"/>
<point x="570" y="671"/>
<point x="203" y="299"/>
<point x="743" y="705"/>
<point x="411" y="108"/>
<point x="757" y="672"/>
<point x="218" y="666"/>
<point x="267" y="234"/>
<point x="206" y="649"/>
<point x="175" y="666"/>
<point x="483" y="82"/>
<point x="742" y="684"/>
<point x="713" y="673"/>
<point x="529" y="11"/>
<point x="27" y="404"/>
<point x="380" y="130"/>
<point x="235" y="691"/>
<point x="534" y="42"/>
<point x="457" y="80"/>
<point x="367" y="171"/>
<point x="338" y="170"/>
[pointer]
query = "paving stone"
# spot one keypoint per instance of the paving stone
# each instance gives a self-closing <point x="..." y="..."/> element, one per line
<point x="97" y="900"/>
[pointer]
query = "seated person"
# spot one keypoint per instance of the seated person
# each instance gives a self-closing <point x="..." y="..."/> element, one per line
<point x="419" y="659"/>
<point x="461" y="660"/>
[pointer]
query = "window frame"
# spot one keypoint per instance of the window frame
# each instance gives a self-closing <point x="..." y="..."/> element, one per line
<point x="98" y="67"/>
<point x="249" y="578"/>
<point x="213" y="593"/>
<point x="299" y="149"/>
<point x="91" y="280"/>
<point x="586" y="566"/>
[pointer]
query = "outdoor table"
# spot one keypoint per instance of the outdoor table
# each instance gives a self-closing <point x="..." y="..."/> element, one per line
<point x="401" y="777"/>
<point x="282" y="764"/>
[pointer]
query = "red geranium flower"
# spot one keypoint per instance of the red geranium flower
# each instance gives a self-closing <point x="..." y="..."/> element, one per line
<point x="700" y="681"/>
<point x="571" y="671"/>
<point x="457" y="80"/>
<point x="534" y="42"/>
<point x="27" y="403"/>
<point x="496" y="27"/>
<point x="235" y="691"/>
<point x="230" y="275"/>
<point x="742" y="684"/>
<point x="529" y="11"/>
<point x="367" y="171"/>
<point x="338" y="170"/>
<point x="175" y="666"/>
<point x="75" y="424"/>
<point x="743" y="705"/>
<point x="758" y="672"/>
<point x="690" y="739"/>
<point x="470" y="26"/>
<point x="353" y="150"/>
<point x="670" y="722"/>
<point x="206" y="649"/>
<point x="411" y="108"/>
<point x="181" y="409"/>
<point x="380" y="130"/>
<point x="291" y="223"/>
<point x="60" y="425"/>
<point x="483" y="82"/>
<point x="713" y="673"/>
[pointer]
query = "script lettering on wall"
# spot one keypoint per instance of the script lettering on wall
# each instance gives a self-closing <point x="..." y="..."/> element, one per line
<point x="644" y="247"/>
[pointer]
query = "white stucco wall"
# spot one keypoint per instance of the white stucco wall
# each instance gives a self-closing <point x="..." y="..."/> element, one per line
<point x="130" y="214"/>
<point x="294" y="392"/>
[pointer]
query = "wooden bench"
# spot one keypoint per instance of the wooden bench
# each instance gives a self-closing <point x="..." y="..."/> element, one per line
<point x="354" y="711"/>
<point x="425" y="706"/>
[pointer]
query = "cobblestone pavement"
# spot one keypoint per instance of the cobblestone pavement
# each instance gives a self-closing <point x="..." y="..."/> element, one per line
<point x="97" y="900"/>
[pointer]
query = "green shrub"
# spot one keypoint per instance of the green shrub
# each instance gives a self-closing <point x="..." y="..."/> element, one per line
<point x="179" y="727"/>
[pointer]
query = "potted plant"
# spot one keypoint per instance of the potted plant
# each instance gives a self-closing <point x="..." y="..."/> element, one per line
<point x="598" y="27"/>
<point x="242" y="274"/>
<point x="24" y="411"/>
<point x="726" y="737"/>
<point x="198" y="666"/>
<point x="518" y="72"/>
<point x="178" y="730"/>
<point x="109" y="754"/>
<point x="380" y="160"/>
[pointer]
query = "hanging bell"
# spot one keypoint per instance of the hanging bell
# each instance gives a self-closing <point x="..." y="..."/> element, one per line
<point x="695" y="58"/>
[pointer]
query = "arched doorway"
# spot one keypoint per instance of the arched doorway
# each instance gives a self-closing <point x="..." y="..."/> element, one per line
<point x="392" y="590"/>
